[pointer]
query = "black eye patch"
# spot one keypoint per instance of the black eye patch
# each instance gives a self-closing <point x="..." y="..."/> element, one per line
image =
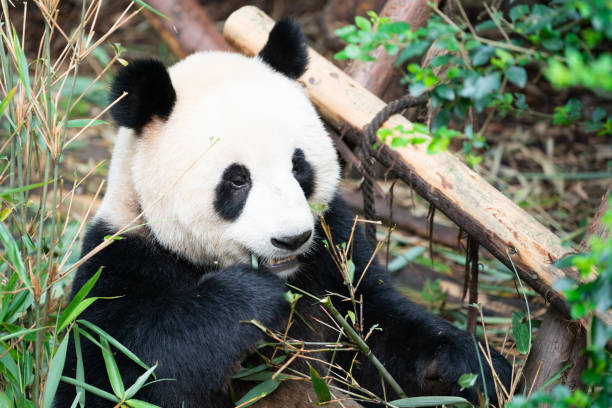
<point x="303" y="172"/>
<point x="232" y="191"/>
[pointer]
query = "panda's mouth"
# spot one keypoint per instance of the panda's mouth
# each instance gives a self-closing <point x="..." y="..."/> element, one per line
<point x="281" y="265"/>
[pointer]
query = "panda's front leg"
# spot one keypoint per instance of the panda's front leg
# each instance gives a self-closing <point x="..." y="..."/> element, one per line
<point x="199" y="338"/>
<point x="424" y="353"/>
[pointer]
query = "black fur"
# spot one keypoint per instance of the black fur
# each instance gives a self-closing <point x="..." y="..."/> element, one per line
<point x="187" y="318"/>
<point x="232" y="191"/>
<point x="286" y="49"/>
<point x="170" y="311"/>
<point x="303" y="172"/>
<point x="150" y="93"/>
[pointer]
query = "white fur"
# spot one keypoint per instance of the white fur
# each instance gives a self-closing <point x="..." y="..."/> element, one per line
<point x="229" y="109"/>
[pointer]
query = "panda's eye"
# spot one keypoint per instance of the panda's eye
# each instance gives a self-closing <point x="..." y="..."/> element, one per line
<point x="298" y="163"/>
<point x="238" y="181"/>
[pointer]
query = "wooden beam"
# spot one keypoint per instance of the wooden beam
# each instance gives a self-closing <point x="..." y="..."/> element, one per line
<point x="506" y="230"/>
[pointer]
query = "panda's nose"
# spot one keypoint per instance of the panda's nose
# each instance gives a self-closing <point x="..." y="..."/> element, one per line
<point x="292" y="242"/>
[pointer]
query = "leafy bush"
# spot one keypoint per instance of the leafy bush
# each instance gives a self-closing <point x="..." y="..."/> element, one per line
<point x="568" y="41"/>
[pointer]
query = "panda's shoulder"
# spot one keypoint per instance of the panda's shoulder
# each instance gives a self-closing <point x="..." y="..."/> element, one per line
<point x="129" y="262"/>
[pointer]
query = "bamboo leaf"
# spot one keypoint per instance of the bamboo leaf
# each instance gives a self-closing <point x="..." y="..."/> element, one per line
<point x="78" y="302"/>
<point x="427" y="402"/>
<point x="66" y="319"/>
<point x="114" y="376"/>
<point x="151" y="9"/>
<point x="6" y="100"/>
<point x="6" y="194"/>
<point x="22" y="63"/>
<point x="20" y="333"/>
<point x="5" y="401"/>
<point x="79" y="123"/>
<point x="134" y="403"/>
<point x="319" y="385"/>
<point x="55" y="373"/>
<point x="134" y="388"/>
<point x="90" y="388"/>
<point x="80" y="369"/>
<point x="11" y="251"/>
<point x="520" y="331"/>
<point x="258" y="392"/>
<point x="114" y="342"/>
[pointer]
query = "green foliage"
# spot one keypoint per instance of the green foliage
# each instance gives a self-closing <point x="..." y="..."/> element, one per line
<point x="433" y="295"/>
<point x="568" y="41"/>
<point x="590" y="299"/>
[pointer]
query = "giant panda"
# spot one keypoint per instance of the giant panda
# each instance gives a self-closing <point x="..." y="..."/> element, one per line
<point x="225" y="158"/>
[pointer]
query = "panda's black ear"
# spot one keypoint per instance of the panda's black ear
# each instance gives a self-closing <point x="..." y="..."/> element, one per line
<point x="286" y="49"/>
<point x="149" y="93"/>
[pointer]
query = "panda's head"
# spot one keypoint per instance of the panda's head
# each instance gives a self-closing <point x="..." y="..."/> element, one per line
<point x="224" y="153"/>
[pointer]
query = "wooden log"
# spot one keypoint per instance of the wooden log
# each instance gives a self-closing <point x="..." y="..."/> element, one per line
<point x="559" y="341"/>
<point x="375" y="76"/>
<point x="506" y="230"/>
<point x="189" y="29"/>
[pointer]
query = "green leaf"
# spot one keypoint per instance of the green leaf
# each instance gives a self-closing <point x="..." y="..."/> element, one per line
<point x="114" y="376"/>
<point x="391" y="49"/>
<point x="248" y="371"/>
<point x="90" y="388"/>
<point x="598" y="114"/>
<point x="363" y="23"/>
<point x="11" y="251"/>
<point x="22" y="64"/>
<point x="6" y="194"/>
<point x="428" y="401"/>
<point x="55" y="373"/>
<point x="19" y="333"/>
<point x="520" y="330"/>
<point x="134" y="403"/>
<point x="445" y="92"/>
<point x="404" y="258"/>
<point x="80" y="369"/>
<point x="79" y="123"/>
<point x="319" y="385"/>
<point x="519" y="11"/>
<point x="351" y="270"/>
<point x="134" y="388"/>
<point x="258" y="392"/>
<point x="482" y="54"/>
<point x="345" y="31"/>
<point x="5" y="401"/>
<point x="6" y="100"/>
<point x="467" y="381"/>
<point x="151" y="9"/>
<point x="517" y="75"/>
<point x="78" y="302"/>
<point x="114" y="342"/>
<point x="417" y="47"/>
<point x="352" y="51"/>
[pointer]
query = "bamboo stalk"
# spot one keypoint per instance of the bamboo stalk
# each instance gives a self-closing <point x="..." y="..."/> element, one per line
<point x="365" y="349"/>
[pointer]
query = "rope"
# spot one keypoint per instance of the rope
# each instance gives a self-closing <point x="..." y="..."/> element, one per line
<point x="367" y="161"/>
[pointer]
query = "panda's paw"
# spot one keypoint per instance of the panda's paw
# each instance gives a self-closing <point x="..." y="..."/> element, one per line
<point x="256" y="294"/>
<point x="455" y="356"/>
